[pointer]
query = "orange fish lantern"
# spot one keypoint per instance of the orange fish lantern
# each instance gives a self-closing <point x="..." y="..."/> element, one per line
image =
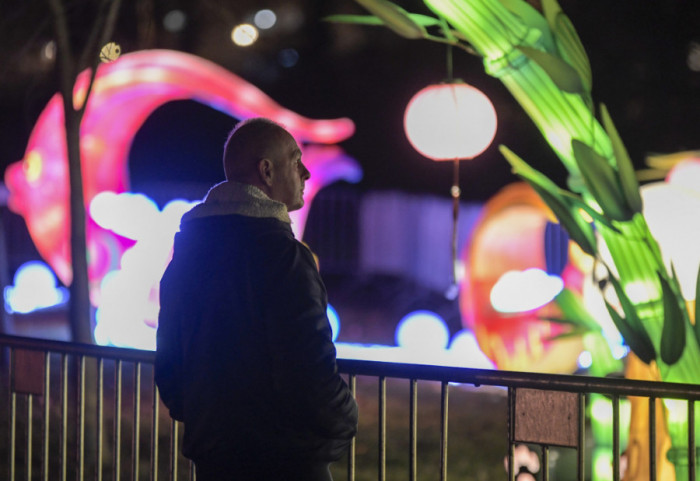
<point x="508" y="287"/>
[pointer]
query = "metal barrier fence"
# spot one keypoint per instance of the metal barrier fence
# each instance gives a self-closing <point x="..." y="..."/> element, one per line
<point x="72" y="411"/>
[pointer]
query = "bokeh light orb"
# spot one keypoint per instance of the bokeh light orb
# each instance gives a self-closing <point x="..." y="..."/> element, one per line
<point x="422" y="330"/>
<point x="334" y="321"/>
<point x="265" y="19"/>
<point x="244" y="35"/>
<point x="450" y="121"/>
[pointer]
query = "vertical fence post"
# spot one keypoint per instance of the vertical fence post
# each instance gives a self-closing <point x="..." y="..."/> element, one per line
<point x="174" y="434"/>
<point x="413" y="431"/>
<point x="154" y="430"/>
<point x="118" y="419"/>
<point x="47" y="415"/>
<point x="382" y="429"/>
<point x="352" y="384"/>
<point x="652" y="439"/>
<point x="691" y="439"/>
<point x="444" y="401"/>
<point x="581" y="436"/>
<point x="137" y="420"/>
<point x="81" y="418"/>
<point x="616" y="437"/>
<point x="64" y="417"/>
<point x="100" y="414"/>
<point x="511" y="433"/>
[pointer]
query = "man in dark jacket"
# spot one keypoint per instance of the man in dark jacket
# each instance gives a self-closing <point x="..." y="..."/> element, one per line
<point x="245" y="356"/>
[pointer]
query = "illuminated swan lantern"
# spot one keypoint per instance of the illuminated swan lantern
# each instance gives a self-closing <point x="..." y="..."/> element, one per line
<point x="125" y="93"/>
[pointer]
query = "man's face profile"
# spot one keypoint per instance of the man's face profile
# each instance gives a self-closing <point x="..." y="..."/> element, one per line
<point x="289" y="173"/>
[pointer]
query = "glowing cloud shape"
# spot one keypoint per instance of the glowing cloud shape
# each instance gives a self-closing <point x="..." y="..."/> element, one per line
<point x="422" y="331"/>
<point x="521" y="291"/>
<point x="125" y="93"/>
<point x="34" y="288"/>
<point x="133" y="323"/>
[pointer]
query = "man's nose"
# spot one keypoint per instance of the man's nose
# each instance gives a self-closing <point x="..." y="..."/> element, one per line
<point x="305" y="174"/>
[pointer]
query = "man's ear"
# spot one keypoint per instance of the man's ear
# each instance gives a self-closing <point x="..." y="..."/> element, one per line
<point x="265" y="171"/>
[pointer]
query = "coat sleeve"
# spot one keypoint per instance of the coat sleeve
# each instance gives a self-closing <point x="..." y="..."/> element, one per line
<point x="168" y="362"/>
<point x="316" y="399"/>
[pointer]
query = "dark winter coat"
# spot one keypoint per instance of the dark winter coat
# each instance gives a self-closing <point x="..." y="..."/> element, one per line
<point x="244" y="351"/>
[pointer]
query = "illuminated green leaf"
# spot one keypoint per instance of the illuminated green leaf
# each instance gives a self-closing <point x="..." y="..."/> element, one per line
<point x="424" y="20"/>
<point x="673" y="332"/>
<point x="394" y="17"/>
<point x="355" y="19"/>
<point x="562" y="74"/>
<point x="644" y="351"/>
<point x="568" y="42"/>
<point x="574" y="312"/>
<point x="533" y="19"/>
<point x="628" y="179"/>
<point x="639" y="340"/>
<point x="601" y="181"/>
<point x="576" y="202"/>
<point x="579" y="231"/>
<point x="576" y="332"/>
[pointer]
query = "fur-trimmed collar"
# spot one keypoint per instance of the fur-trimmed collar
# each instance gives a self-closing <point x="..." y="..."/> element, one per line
<point x="235" y="198"/>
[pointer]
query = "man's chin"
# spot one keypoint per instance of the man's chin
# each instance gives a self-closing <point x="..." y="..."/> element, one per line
<point x="296" y="206"/>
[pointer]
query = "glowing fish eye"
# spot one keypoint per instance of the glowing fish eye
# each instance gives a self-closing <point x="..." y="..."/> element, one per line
<point x="33" y="165"/>
<point x="110" y="52"/>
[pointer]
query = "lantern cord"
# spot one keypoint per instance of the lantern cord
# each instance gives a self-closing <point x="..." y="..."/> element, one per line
<point x="456" y="192"/>
<point x="449" y="63"/>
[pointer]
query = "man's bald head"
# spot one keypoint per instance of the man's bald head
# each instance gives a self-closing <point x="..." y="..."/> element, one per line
<point x="248" y="143"/>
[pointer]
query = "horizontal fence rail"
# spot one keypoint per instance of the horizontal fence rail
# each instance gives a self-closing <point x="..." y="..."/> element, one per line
<point x="74" y="411"/>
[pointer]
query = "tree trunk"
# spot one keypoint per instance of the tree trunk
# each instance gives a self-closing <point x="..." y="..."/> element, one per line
<point x="79" y="306"/>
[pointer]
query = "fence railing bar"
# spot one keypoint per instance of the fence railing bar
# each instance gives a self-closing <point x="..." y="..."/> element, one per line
<point x="90" y="350"/>
<point x="13" y="433"/>
<point x="413" y="430"/>
<point x="78" y="383"/>
<point x="691" y="440"/>
<point x="382" y="429"/>
<point x="616" y="438"/>
<point x="581" y="462"/>
<point x="652" y="439"/>
<point x="64" y="417"/>
<point x="154" y="430"/>
<point x="118" y="419"/>
<point x="81" y="418"/>
<point x="352" y="385"/>
<point x="30" y="405"/>
<point x="511" y="434"/>
<point x="174" y="433"/>
<point x="137" y="421"/>
<point x="516" y="379"/>
<point x="100" y="414"/>
<point x="47" y="416"/>
<point x="444" y="404"/>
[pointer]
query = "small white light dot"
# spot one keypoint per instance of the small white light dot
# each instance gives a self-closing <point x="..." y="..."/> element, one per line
<point x="174" y="21"/>
<point x="265" y="19"/>
<point x="694" y="56"/>
<point x="49" y="51"/>
<point x="244" y="35"/>
<point x="585" y="360"/>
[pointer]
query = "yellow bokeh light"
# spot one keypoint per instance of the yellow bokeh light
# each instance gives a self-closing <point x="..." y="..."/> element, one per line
<point x="33" y="166"/>
<point x="244" y="35"/>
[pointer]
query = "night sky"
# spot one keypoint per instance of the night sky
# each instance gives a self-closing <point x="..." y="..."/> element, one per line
<point x="638" y="51"/>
